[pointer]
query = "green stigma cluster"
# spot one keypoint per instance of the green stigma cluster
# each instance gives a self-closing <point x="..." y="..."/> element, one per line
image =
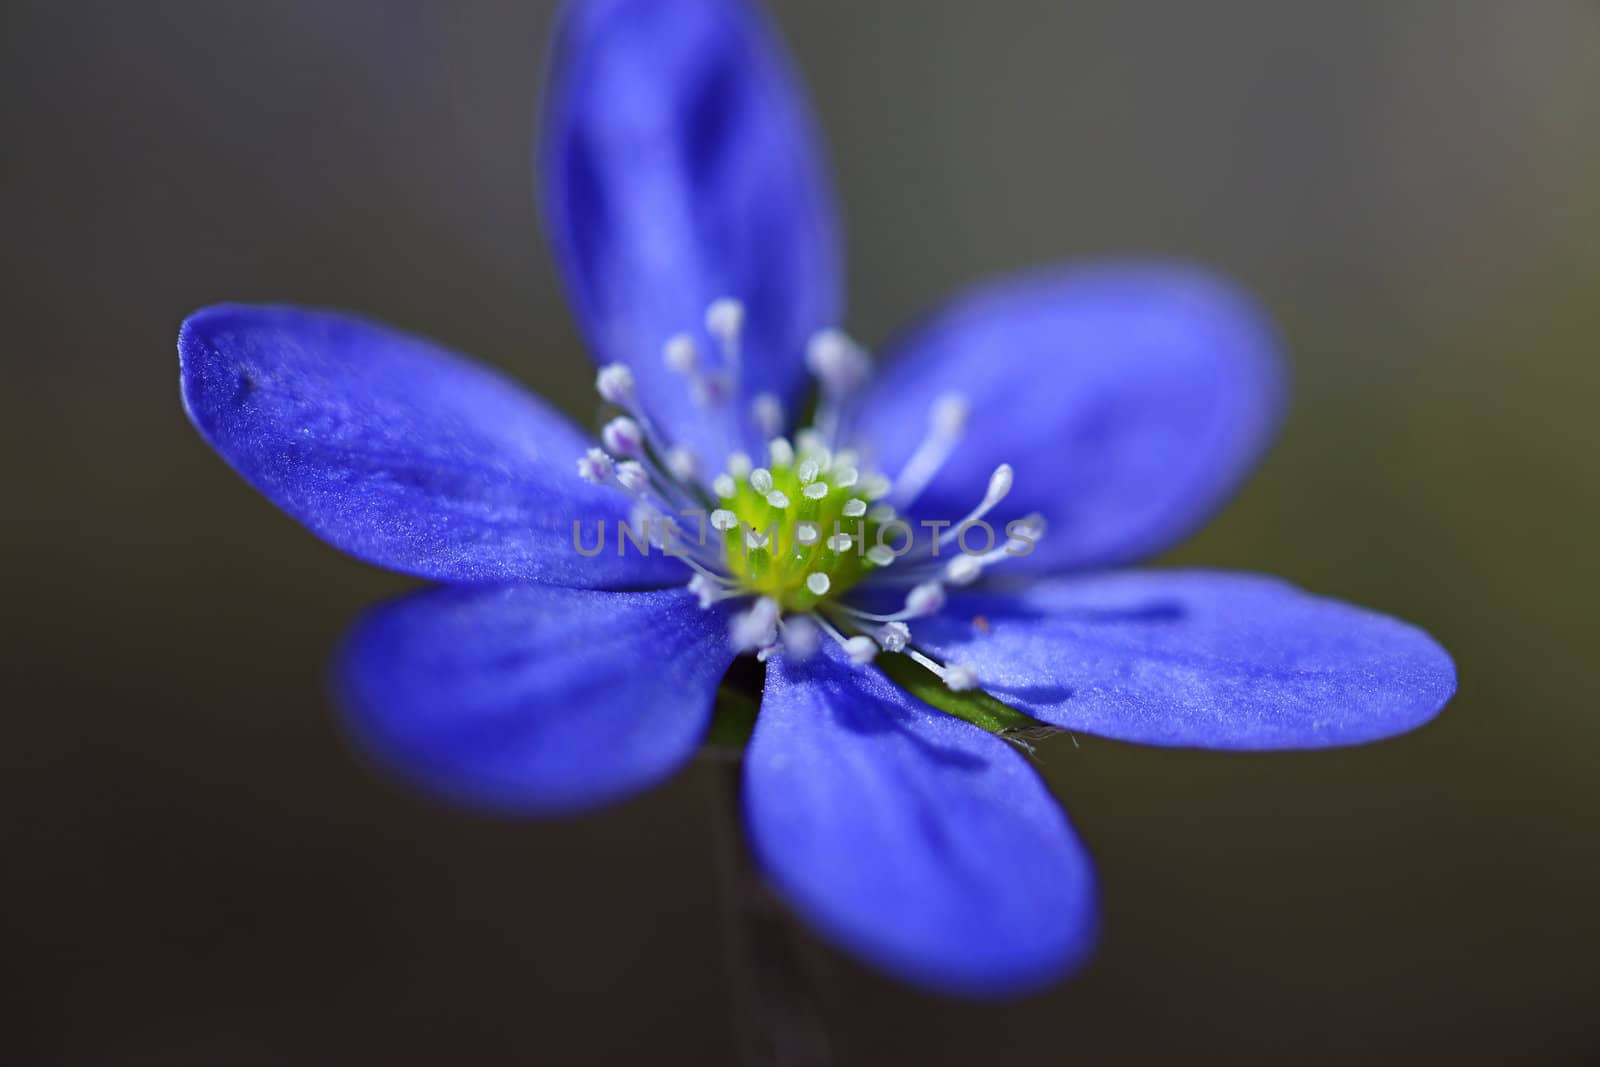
<point x="803" y="529"/>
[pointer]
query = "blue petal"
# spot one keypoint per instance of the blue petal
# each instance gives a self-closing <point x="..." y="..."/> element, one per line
<point x="399" y="452"/>
<point x="914" y="840"/>
<point x="534" y="699"/>
<point x="1196" y="658"/>
<point x="1131" y="399"/>
<point x="678" y="164"/>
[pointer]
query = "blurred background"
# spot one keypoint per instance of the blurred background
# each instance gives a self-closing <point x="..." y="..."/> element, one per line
<point x="198" y="870"/>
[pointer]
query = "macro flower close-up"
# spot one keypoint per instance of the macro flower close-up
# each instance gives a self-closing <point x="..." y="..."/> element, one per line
<point x="794" y="533"/>
<point x="917" y="562"/>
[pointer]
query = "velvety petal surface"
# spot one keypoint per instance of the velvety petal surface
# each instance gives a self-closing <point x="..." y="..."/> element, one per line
<point x="399" y="452"/>
<point x="1130" y="398"/>
<point x="910" y="838"/>
<point x="1196" y="658"/>
<point x="534" y="699"/>
<point x="678" y="164"/>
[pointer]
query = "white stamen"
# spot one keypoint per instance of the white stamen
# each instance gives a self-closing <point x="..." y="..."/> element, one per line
<point x="961" y="676"/>
<point x="757" y="627"/>
<point x="623" y="436"/>
<point x="840" y="542"/>
<point x="999" y="485"/>
<point x="725" y="321"/>
<point x="706" y="589"/>
<point x="614" y="383"/>
<point x="755" y="539"/>
<point x="808" y="471"/>
<point x="925" y="599"/>
<point x="845" y="477"/>
<point x="761" y="480"/>
<point x="811" y="443"/>
<point x="767" y="412"/>
<point x="595" y="467"/>
<point x="880" y="555"/>
<point x="947" y="421"/>
<point x="632" y="476"/>
<point x="874" y="486"/>
<point x="681" y="354"/>
<point x="894" y="636"/>
<point x="777" y="499"/>
<point x="963" y="570"/>
<point x="724" y="486"/>
<point x="819" y="583"/>
<point x="723" y="520"/>
<point x="781" y="452"/>
<point x="837" y="362"/>
<point x="801" y="637"/>
<point x="806" y="533"/>
<point x="881" y="513"/>
<point x="854" y="509"/>
<point x="738" y="465"/>
<point x="683" y="464"/>
<point x="815" y="491"/>
<point x="861" y="650"/>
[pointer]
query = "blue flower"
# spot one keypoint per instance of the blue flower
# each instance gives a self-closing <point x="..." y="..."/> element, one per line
<point x="1092" y="414"/>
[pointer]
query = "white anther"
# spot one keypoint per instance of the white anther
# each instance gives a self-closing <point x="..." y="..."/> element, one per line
<point x="755" y="539"/>
<point x="614" y="383"/>
<point x="875" y="486"/>
<point x="948" y="417"/>
<point x="819" y="583"/>
<point x="880" y="555"/>
<point x="801" y="637"/>
<point x="815" y="491"/>
<point x="854" y="509"/>
<point x="845" y="477"/>
<point x="963" y="570"/>
<point x="840" y="542"/>
<point x="725" y="320"/>
<point x="861" y="650"/>
<point x="846" y="457"/>
<point x="632" y="476"/>
<point x="837" y="361"/>
<point x="761" y="480"/>
<point x="924" y="599"/>
<point x="738" y="465"/>
<point x="757" y="627"/>
<point x="595" y="467"/>
<point x="623" y="436"/>
<point x="809" y="442"/>
<point x="999" y="485"/>
<point x="707" y="590"/>
<point x="808" y="471"/>
<point x="881" y="513"/>
<point x="894" y="636"/>
<point x="723" y="520"/>
<point x="767" y="412"/>
<point x="777" y="499"/>
<point x="645" y="518"/>
<point x="683" y="464"/>
<point x="681" y="354"/>
<point x="781" y="452"/>
<point x="806" y="533"/>
<point x="724" y="486"/>
<point x="961" y="677"/>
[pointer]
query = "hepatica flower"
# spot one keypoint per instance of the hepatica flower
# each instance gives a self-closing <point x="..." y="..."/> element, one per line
<point x="924" y="564"/>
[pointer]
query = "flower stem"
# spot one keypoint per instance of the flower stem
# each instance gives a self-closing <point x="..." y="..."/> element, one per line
<point x="775" y="1003"/>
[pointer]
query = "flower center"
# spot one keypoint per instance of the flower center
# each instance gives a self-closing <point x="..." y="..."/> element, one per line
<point x="803" y="529"/>
<point x="792" y="537"/>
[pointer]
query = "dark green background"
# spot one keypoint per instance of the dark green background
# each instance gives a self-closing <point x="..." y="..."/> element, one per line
<point x="196" y="868"/>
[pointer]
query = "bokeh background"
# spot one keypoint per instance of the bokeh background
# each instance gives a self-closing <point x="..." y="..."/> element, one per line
<point x="196" y="869"/>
